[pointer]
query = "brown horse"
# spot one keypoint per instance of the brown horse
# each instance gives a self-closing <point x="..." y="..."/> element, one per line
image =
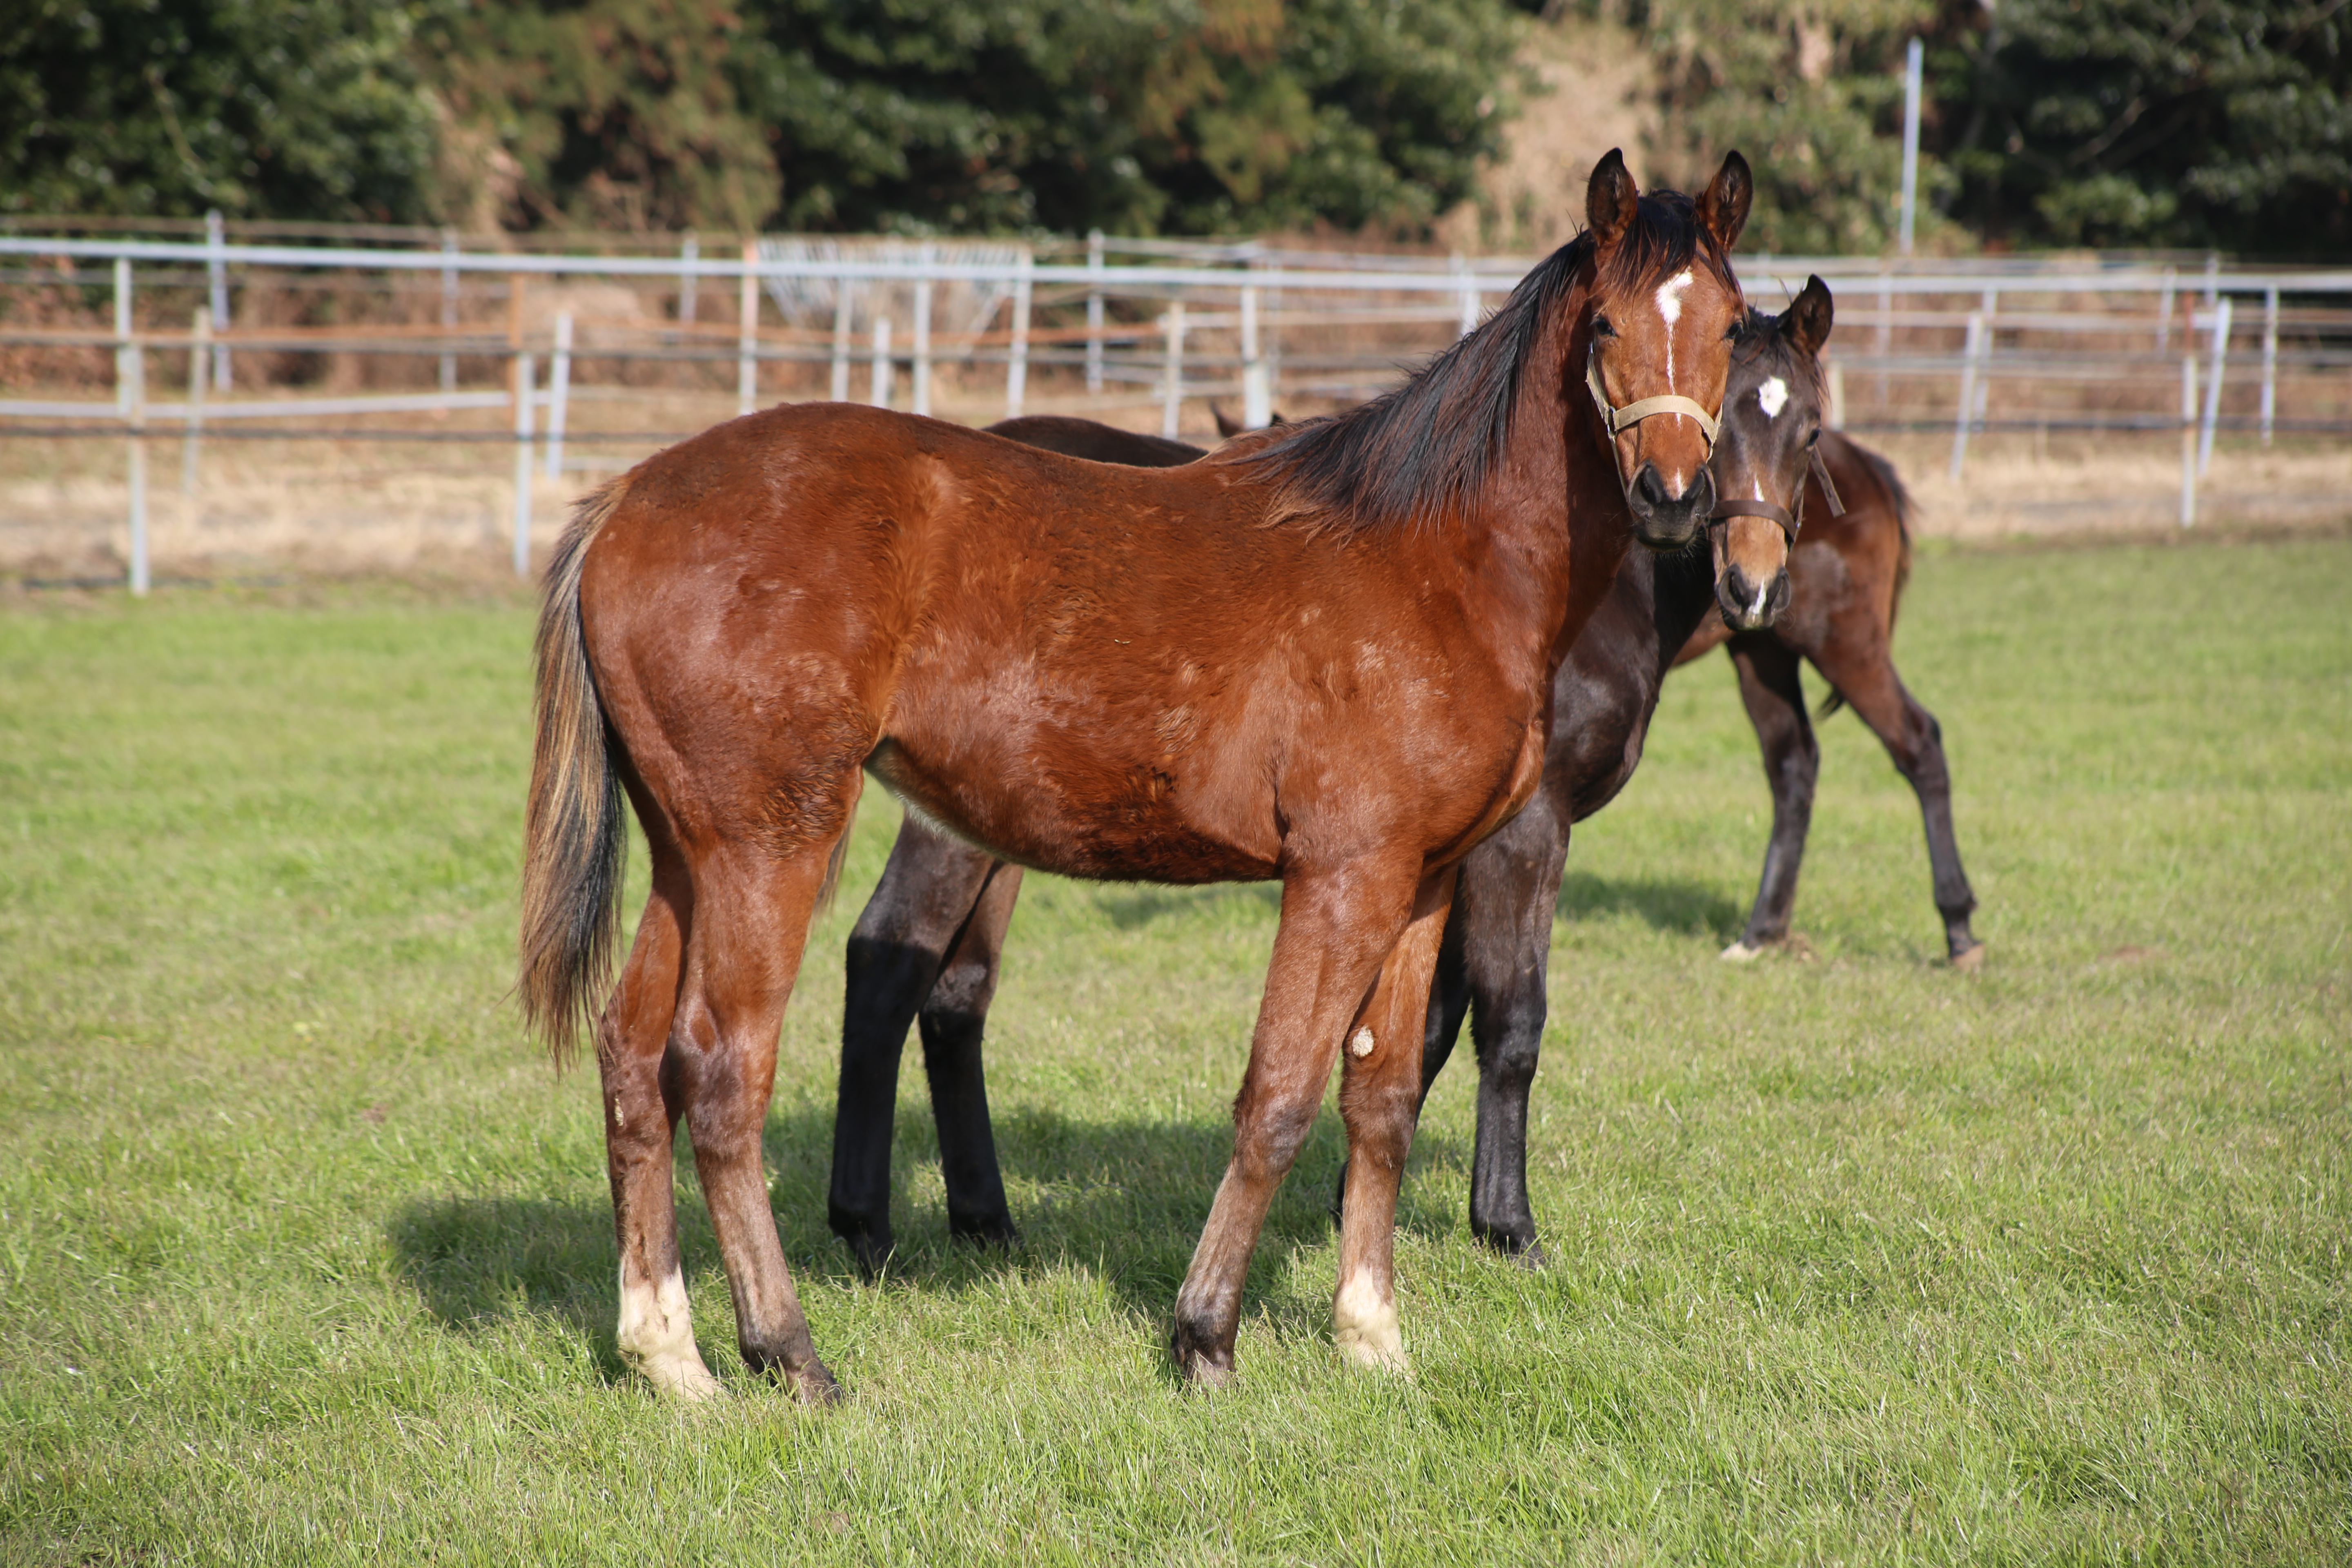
<point x="927" y="947"/>
<point x="1325" y="658"/>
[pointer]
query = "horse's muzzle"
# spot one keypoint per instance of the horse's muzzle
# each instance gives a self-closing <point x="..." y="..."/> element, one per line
<point x="1750" y="606"/>
<point x="1664" y="521"/>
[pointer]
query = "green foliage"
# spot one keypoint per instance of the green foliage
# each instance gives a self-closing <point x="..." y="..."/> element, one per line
<point x="2149" y="122"/>
<point x="1135" y="116"/>
<point x="608" y="114"/>
<point x="286" y="109"/>
<point x="1813" y="98"/>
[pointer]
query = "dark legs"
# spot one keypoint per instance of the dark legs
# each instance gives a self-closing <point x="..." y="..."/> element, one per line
<point x="1916" y="743"/>
<point x="1493" y="966"/>
<point x="931" y="896"/>
<point x="952" y="1022"/>
<point x="1775" y="697"/>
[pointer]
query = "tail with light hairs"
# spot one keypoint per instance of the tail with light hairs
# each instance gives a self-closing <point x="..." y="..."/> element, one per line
<point x="573" y="838"/>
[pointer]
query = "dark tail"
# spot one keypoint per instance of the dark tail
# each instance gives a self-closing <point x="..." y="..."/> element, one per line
<point x="572" y="830"/>
<point x="1900" y="495"/>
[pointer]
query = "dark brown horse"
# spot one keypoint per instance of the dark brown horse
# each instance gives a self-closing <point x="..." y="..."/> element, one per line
<point x="927" y="945"/>
<point x="1325" y="657"/>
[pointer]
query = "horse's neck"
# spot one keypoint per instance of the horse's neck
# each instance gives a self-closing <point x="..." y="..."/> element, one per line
<point x="1555" y="513"/>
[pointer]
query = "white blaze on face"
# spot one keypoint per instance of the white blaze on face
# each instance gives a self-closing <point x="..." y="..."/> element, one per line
<point x="1773" y="397"/>
<point x="1670" y="311"/>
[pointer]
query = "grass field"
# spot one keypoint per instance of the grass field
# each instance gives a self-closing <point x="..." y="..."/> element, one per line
<point x="306" y="1256"/>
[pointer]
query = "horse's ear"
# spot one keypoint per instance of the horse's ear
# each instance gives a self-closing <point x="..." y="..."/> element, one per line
<point x="1609" y="198"/>
<point x="1723" y="205"/>
<point x="1228" y="428"/>
<point x="1806" y="325"/>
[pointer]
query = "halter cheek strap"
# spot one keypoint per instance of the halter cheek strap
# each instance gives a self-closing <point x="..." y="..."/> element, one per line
<point x="1632" y="414"/>
<point x="1789" y="523"/>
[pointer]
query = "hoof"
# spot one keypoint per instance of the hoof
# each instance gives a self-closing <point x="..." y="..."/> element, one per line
<point x="1389" y="1359"/>
<point x="1970" y="960"/>
<point x="813" y="1385"/>
<point x="993" y="1234"/>
<point x="873" y="1253"/>
<point x="1199" y="1364"/>
<point x="1740" y="952"/>
<point x="1532" y="1257"/>
<point x="688" y="1381"/>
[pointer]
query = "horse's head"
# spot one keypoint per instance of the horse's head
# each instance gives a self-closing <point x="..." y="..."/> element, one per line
<point x="1665" y="309"/>
<point x="1771" y="421"/>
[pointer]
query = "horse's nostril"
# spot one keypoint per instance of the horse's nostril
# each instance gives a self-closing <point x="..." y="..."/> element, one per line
<point x="1652" y="489"/>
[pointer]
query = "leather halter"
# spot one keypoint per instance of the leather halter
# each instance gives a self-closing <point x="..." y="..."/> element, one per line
<point x="1780" y="514"/>
<point x="1621" y="419"/>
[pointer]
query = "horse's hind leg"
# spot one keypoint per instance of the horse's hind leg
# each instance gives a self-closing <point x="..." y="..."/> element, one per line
<point x="925" y="898"/>
<point x="656" y="1336"/>
<point x="1380" y="1097"/>
<point x="1775" y="697"/>
<point x="1866" y="678"/>
<point x="953" y="1022"/>
<point x="751" y="909"/>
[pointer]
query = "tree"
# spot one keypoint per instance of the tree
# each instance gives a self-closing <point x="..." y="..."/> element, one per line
<point x="286" y="108"/>
<point x="2176" y="122"/>
<point x="1812" y="94"/>
<point x="598" y="113"/>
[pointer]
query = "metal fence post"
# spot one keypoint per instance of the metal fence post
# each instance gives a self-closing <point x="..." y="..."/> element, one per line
<point x="2188" y="439"/>
<point x="840" y="388"/>
<point x="449" y="309"/>
<point x="2270" y="360"/>
<point x="559" y="392"/>
<point x="131" y="401"/>
<point x="879" y="386"/>
<point x="524" y="374"/>
<point x="1837" y="393"/>
<point x="216" y="275"/>
<point x="1469" y="300"/>
<point x="2164" y="311"/>
<point x="200" y="341"/>
<point x="1968" y="409"/>
<point x="1171" y="400"/>
<point x="1016" y="360"/>
<point x="921" y="402"/>
<point x="1912" y="60"/>
<point x="690" y="262"/>
<point x="747" y="345"/>
<point x="1886" y="329"/>
<point x="1094" y="313"/>
<point x="1258" y="396"/>
<point x="2213" y="386"/>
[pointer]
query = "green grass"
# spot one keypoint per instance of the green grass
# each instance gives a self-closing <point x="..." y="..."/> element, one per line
<point x="305" y="1255"/>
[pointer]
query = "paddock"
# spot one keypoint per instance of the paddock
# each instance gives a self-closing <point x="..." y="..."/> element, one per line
<point x="309" y="1256"/>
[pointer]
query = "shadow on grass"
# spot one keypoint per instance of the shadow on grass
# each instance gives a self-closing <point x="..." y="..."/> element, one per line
<point x="1130" y="906"/>
<point x="1697" y="908"/>
<point x="1121" y="1199"/>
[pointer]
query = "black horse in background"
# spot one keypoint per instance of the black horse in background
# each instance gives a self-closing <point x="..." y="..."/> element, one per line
<point x="927" y="947"/>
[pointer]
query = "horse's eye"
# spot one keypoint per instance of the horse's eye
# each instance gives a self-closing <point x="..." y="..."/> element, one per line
<point x="1602" y="329"/>
<point x="1731" y="333"/>
<point x="1815" y="439"/>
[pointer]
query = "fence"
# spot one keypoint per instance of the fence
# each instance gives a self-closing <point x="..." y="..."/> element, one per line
<point x="2119" y="346"/>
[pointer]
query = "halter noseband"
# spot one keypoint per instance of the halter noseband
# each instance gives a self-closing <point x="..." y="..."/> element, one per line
<point x="1780" y="514"/>
<point x="1632" y="414"/>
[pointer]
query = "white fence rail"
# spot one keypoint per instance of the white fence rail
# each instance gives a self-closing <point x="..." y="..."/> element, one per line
<point x="2106" y="339"/>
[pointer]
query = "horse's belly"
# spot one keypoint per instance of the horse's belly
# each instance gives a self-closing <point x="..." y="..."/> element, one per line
<point x="1079" y="816"/>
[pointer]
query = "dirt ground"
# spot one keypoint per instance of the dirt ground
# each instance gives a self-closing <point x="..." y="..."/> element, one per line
<point x="435" y="505"/>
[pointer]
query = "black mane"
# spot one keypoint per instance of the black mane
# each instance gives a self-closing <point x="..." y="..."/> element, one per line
<point x="1428" y="446"/>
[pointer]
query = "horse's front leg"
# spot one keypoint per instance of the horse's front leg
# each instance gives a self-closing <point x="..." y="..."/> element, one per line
<point x="953" y="1022"/>
<point x="925" y="898"/>
<point x="1338" y="928"/>
<point x="1379" y="1098"/>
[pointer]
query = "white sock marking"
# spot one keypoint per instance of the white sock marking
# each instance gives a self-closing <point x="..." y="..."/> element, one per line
<point x="656" y="1337"/>
<point x="1365" y="1327"/>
